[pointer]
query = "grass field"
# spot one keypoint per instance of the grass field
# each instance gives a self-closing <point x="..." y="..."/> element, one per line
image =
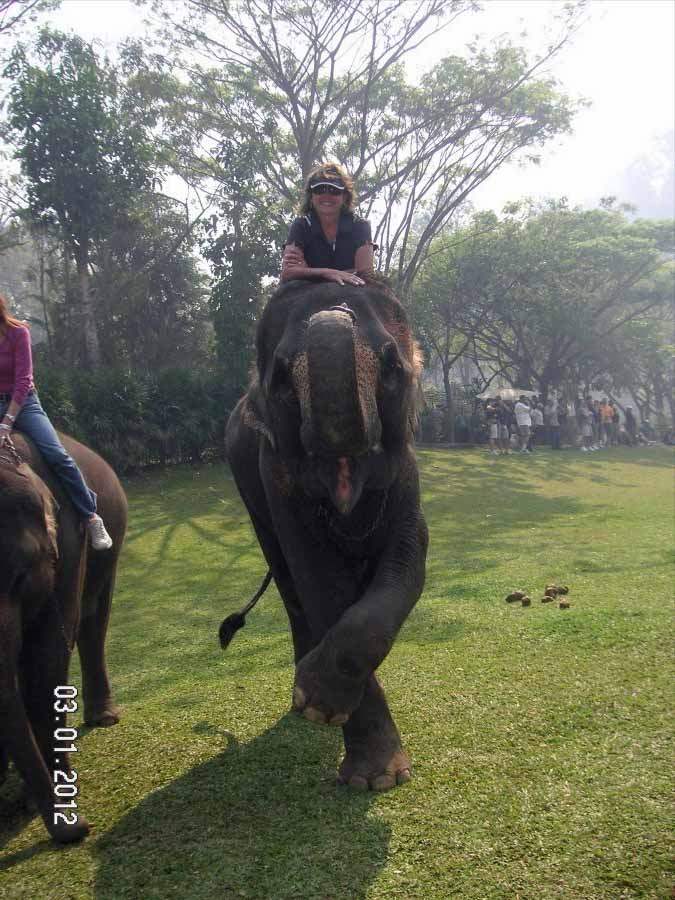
<point x="540" y="737"/>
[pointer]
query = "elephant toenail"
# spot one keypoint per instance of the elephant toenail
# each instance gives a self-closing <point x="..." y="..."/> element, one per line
<point x="358" y="783"/>
<point x="299" y="698"/>
<point x="383" y="783"/>
<point x="339" y="719"/>
<point x="403" y="777"/>
<point x="314" y="715"/>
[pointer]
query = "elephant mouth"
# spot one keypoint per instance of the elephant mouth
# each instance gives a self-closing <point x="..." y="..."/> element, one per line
<point x="344" y="500"/>
<point x="340" y="480"/>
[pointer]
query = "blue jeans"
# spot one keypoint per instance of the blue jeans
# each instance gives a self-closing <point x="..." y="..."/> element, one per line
<point x="32" y="421"/>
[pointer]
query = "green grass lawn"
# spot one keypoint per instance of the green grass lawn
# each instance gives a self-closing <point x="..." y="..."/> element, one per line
<point x="540" y="737"/>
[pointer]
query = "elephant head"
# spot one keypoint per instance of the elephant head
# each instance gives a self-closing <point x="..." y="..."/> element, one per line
<point x="28" y="560"/>
<point x="336" y="392"/>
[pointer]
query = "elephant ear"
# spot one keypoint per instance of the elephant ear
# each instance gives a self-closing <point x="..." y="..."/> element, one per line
<point x="255" y="414"/>
<point x="50" y="509"/>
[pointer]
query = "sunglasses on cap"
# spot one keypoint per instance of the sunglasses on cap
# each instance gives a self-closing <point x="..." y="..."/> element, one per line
<point x="324" y="187"/>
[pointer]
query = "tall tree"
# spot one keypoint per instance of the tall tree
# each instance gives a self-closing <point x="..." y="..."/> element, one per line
<point x="14" y="13"/>
<point x="83" y="151"/>
<point x="543" y="291"/>
<point x="301" y="83"/>
<point x="152" y="298"/>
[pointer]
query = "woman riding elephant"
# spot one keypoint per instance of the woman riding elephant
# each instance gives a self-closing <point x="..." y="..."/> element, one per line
<point x="328" y="240"/>
<point x="20" y="409"/>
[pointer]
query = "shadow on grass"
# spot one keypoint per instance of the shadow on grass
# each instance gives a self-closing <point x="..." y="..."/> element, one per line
<point x="492" y="504"/>
<point x="14" y="817"/>
<point x="262" y="820"/>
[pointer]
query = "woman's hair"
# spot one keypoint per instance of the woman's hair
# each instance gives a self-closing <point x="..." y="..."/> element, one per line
<point x="327" y="172"/>
<point x="6" y="319"/>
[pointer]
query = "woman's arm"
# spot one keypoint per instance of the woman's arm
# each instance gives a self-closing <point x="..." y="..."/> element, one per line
<point x="364" y="259"/>
<point x="23" y="380"/>
<point x="293" y="265"/>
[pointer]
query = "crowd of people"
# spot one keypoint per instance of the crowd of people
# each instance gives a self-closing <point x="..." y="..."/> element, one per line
<point x="591" y="425"/>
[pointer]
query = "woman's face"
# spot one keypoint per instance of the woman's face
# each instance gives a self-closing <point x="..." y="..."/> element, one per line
<point x="328" y="203"/>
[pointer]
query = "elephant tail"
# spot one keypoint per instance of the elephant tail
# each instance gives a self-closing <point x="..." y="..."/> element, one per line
<point x="231" y="625"/>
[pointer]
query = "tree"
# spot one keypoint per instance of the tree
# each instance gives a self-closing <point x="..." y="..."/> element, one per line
<point x="294" y="84"/>
<point x="242" y="242"/>
<point x="447" y="299"/>
<point x="13" y="13"/>
<point x="544" y="290"/>
<point x="640" y="359"/>
<point x="151" y="296"/>
<point x="84" y="152"/>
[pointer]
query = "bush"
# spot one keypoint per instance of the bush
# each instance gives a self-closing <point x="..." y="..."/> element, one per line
<point x="135" y="420"/>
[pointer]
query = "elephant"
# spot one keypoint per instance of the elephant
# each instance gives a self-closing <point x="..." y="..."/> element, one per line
<point x="53" y="593"/>
<point x="321" y="450"/>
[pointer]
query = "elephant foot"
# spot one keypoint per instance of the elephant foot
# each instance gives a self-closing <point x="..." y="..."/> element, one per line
<point x="321" y="693"/>
<point x="103" y="714"/>
<point x="70" y="834"/>
<point x="376" y="770"/>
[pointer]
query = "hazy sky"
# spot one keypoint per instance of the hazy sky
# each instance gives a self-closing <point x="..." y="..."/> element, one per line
<point x="622" y="60"/>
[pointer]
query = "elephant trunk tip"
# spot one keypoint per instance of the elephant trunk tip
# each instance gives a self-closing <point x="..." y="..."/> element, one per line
<point x="229" y="627"/>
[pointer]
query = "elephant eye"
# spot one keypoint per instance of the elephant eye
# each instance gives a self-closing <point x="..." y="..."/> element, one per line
<point x="392" y="370"/>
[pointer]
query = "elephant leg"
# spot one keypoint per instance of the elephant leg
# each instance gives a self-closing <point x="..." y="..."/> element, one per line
<point x="99" y="705"/>
<point x="374" y="757"/>
<point x="28" y="718"/>
<point x="4" y="763"/>
<point x="44" y="666"/>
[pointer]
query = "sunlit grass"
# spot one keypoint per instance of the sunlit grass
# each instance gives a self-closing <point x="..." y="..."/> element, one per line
<point x="540" y="737"/>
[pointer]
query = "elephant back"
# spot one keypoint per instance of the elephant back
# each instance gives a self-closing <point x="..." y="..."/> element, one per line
<point x="111" y="499"/>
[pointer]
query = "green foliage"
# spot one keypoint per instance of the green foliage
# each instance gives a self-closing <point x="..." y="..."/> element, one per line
<point x="137" y="419"/>
<point x="545" y="291"/>
<point x="242" y="243"/>
<point x="151" y="298"/>
<point x="83" y="155"/>
<point x="84" y="148"/>
<point x="276" y="94"/>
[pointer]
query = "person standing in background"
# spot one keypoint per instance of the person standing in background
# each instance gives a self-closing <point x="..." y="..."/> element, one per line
<point x="553" y="423"/>
<point x="524" y="422"/>
<point x="537" y="416"/>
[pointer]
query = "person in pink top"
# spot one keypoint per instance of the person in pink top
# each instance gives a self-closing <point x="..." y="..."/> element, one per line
<point x="20" y="409"/>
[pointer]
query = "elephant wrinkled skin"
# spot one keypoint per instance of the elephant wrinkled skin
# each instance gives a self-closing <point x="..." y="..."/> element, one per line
<point x="53" y="592"/>
<point x="321" y="451"/>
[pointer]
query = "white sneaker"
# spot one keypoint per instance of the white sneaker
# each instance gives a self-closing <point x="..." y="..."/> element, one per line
<point x="100" y="539"/>
<point x="584" y="449"/>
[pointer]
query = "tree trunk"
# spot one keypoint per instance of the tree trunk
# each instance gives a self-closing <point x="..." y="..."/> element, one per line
<point x="43" y="302"/>
<point x="89" y="331"/>
<point x="449" y="407"/>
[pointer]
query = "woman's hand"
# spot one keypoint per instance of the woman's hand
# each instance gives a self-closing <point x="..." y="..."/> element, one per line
<point x="293" y="256"/>
<point x="341" y="277"/>
<point x="5" y="432"/>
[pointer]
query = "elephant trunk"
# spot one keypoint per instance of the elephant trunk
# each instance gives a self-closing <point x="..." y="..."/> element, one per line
<point x="18" y="738"/>
<point x="338" y="426"/>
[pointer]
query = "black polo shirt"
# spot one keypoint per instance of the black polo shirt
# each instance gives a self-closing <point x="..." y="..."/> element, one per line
<point x="319" y="252"/>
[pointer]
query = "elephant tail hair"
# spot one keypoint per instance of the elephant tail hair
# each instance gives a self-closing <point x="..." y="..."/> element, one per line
<point x="231" y="625"/>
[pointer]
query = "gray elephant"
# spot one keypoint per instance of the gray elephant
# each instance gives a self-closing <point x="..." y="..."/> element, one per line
<point x="321" y="451"/>
<point x="52" y="594"/>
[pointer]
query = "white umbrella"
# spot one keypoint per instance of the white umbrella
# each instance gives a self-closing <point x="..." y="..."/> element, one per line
<point x="506" y="393"/>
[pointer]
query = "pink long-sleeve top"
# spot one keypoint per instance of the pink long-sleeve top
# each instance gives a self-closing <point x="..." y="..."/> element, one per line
<point x="16" y="363"/>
